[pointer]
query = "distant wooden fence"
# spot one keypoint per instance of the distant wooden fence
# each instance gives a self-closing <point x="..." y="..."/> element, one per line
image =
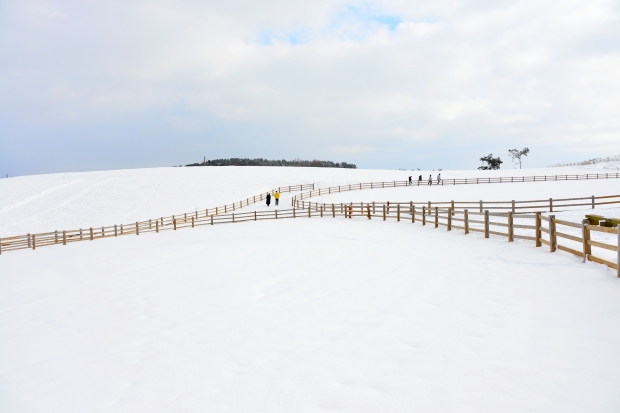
<point x="455" y="181"/>
<point x="542" y="205"/>
<point x="526" y="226"/>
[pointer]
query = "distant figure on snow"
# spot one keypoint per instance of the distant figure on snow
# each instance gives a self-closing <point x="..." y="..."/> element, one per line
<point x="438" y="179"/>
<point x="277" y="197"/>
<point x="410" y="181"/>
<point x="430" y="179"/>
<point x="268" y="198"/>
<point x="419" y="180"/>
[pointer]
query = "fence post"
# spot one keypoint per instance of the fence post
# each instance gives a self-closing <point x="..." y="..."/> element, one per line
<point x="436" y="217"/>
<point x="137" y="229"/>
<point x="373" y="207"/>
<point x="368" y="210"/>
<point x="538" y="231"/>
<point x="192" y="222"/>
<point x="116" y="229"/>
<point x="384" y="212"/>
<point x="510" y="228"/>
<point x="450" y="211"/>
<point x="333" y="211"/>
<point x="102" y="232"/>
<point x="550" y="205"/>
<point x="593" y="202"/>
<point x="56" y="237"/>
<point x="64" y="237"/>
<point x="412" y="213"/>
<point x="255" y="214"/>
<point x="156" y="225"/>
<point x="486" y="223"/>
<point x="452" y="206"/>
<point x="34" y="242"/>
<point x="429" y="207"/>
<point x="423" y="215"/>
<point x="552" y="237"/>
<point x="233" y="217"/>
<point x="28" y="240"/>
<point x="513" y="206"/>
<point x="211" y="219"/>
<point x="309" y="212"/>
<point x="466" y="221"/>
<point x="80" y="234"/>
<point x="174" y="222"/>
<point x="91" y="233"/>
<point x="397" y="212"/>
<point x="585" y="235"/>
<point x="618" y="254"/>
<point x="481" y="206"/>
<point x="276" y="214"/>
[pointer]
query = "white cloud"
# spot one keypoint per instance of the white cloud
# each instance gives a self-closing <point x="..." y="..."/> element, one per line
<point x="328" y="73"/>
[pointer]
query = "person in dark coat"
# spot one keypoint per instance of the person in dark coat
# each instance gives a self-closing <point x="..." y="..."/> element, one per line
<point x="268" y="198"/>
<point x="410" y="181"/>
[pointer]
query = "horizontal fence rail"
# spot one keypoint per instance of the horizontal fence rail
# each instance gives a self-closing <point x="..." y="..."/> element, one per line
<point x="456" y="181"/>
<point x="516" y="207"/>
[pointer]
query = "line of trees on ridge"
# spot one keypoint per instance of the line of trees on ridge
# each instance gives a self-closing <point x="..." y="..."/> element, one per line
<point x="266" y="162"/>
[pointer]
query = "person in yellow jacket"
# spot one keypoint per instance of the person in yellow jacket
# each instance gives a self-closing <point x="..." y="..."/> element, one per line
<point x="277" y="197"/>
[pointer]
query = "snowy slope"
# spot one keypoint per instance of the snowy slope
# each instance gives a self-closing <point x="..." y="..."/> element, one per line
<point x="296" y="315"/>
<point x="74" y="200"/>
<point x="307" y="316"/>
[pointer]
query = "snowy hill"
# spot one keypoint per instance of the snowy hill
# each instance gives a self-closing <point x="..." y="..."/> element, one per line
<point x="41" y="203"/>
<point x="295" y="315"/>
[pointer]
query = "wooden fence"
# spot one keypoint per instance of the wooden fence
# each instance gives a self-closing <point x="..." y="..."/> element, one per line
<point x="456" y="181"/>
<point x="529" y="226"/>
<point x="523" y="219"/>
<point x="542" y="205"/>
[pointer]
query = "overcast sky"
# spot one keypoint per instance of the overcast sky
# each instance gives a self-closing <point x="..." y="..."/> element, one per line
<point x="88" y="85"/>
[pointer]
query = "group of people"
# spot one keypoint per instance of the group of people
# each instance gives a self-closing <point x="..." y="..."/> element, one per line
<point x="430" y="180"/>
<point x="276" y="196"/>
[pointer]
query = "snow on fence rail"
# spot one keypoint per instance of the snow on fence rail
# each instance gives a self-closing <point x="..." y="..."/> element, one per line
<point x="526" y="226"/>
<point x="455" y="181"/>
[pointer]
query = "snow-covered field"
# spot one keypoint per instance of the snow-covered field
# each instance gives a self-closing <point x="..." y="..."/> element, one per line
<point x="295" y="315"/>
<point x="43" y="203"/>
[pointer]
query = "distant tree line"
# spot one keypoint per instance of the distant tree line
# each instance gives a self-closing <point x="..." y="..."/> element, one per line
<point x="266" y="162"/>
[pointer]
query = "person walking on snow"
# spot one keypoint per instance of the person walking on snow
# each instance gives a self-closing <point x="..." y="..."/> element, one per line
<point x="277" y="197"/>
<point x="438" y="179"/>
<point x="419" y="180"/>
<point x="410" y="181"/>
<point x="430" y="179"/>
<point x="268" y="198"/>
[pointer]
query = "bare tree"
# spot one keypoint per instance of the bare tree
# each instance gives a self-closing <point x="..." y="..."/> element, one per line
<point x="516" y="154"/>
